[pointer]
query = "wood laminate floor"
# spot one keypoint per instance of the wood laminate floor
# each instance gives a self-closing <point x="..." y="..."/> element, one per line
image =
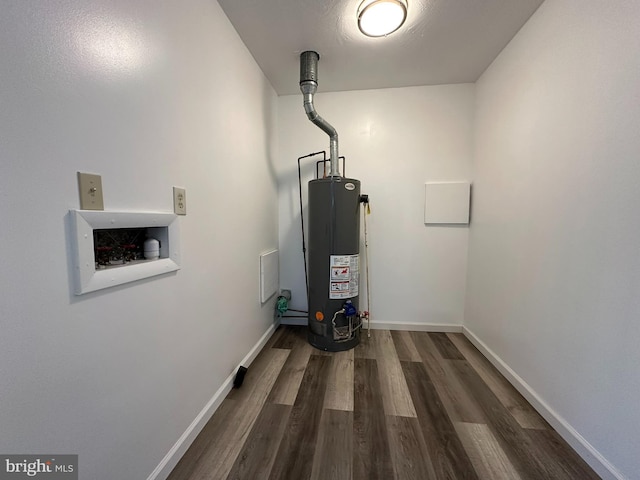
<point x="401" y="405"/>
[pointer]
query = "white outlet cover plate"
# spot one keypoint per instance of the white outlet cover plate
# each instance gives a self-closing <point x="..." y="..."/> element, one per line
<point x="179" y="201"/>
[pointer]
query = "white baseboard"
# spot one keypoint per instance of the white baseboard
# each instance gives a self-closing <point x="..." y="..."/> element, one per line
<point x="176" y="452"/>
<point x="590" y="455"/>
<point x="378" y="325"/>
<point x="300" y="322"/>
<point x="414" y="326"/>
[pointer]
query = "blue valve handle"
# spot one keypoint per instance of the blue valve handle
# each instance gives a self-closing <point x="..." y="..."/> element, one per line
<point x="349" y="309"/>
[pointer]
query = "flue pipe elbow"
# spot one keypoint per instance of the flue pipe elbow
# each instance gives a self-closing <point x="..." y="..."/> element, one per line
<point x="308" y="87"/>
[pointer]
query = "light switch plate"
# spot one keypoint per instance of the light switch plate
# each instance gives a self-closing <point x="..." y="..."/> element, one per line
<point x="90" y="188"/>
<point x="179" y="201"/>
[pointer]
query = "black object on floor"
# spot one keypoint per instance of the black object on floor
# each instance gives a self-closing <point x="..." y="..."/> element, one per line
<point x="237" y="382"/>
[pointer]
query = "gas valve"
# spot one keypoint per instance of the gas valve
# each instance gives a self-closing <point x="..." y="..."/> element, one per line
<point x="349" y="309"/>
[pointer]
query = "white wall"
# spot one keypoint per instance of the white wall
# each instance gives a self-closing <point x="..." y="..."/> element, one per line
<point x="394" y="140"/>
<point x="149" y="95"/>
<point x="554" y="269"/>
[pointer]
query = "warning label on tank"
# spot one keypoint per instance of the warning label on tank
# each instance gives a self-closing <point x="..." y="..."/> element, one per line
<point x="340" y="273"/>
<point x="345" y="274"/>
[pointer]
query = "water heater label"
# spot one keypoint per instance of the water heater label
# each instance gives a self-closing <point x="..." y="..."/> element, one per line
<point x="345" y="274"/>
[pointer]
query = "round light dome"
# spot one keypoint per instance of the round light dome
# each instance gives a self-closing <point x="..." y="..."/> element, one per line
<point x="381" y="17"/>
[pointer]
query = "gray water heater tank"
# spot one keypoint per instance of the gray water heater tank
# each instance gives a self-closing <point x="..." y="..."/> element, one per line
<point x="334" y="263"/>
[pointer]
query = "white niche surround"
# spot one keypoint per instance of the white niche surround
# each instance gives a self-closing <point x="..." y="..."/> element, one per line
<point x="162" y="226"/>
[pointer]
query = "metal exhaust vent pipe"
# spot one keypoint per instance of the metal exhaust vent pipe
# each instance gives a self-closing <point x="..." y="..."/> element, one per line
<point x="308" y="86"/>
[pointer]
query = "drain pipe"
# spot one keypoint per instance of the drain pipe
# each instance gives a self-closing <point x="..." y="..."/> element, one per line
<point x="308" y="86"/>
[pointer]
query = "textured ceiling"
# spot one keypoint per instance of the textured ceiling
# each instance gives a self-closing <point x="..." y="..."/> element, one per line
<point x="442" y="41"/>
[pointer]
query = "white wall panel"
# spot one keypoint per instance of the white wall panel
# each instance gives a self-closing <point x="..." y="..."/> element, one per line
<point x="554" y="269"/>
<point x="148" y="95"/>
<point x="394" y="140"/>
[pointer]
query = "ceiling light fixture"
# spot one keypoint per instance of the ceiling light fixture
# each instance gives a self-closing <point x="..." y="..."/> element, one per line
<point x="378" y="18"/>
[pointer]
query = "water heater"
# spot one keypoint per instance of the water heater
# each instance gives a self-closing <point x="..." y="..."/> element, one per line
<point x="334" y="263"/>
<point x="334" y="237"/>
